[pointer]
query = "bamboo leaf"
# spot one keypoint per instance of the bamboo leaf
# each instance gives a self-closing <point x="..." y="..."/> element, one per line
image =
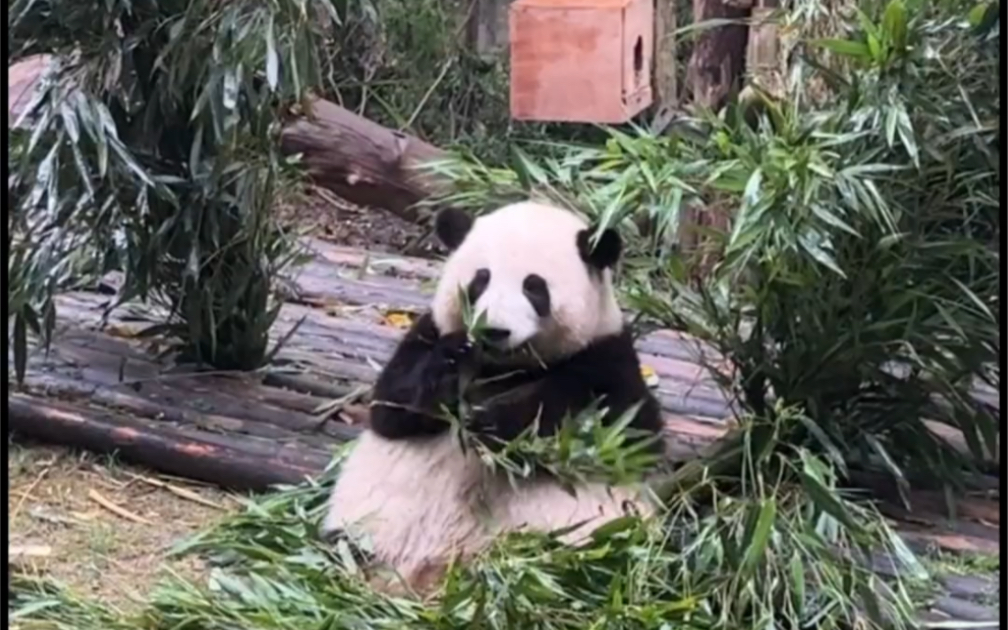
<point x="845" y="47"/>
<point x="760" y="535"/>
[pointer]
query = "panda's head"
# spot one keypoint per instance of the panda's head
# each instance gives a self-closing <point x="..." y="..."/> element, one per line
<point x="531" y="270"/>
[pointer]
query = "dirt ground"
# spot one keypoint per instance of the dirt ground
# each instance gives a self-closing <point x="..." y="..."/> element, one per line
<point x="98" y="526"/>
<point x="330" y="218"/>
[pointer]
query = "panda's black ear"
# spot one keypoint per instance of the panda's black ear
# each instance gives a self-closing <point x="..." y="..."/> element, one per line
<point x="451" y="226"/>
<point x="606" y="252"/>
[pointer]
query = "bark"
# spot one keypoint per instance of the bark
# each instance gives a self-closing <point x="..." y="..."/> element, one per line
<point x="715" y="69"/>
<point x="718" y="60"/>
<point x="362" y="161"/>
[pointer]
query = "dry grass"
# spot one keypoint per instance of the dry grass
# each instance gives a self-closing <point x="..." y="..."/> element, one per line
<point x="99" y="526"/>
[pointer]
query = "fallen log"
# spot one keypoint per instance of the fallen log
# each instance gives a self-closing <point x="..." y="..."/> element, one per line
<point x="235" y="463"/>
<point x="272" y="424"/>
<point x="362" y="161"/>
<point x="359" y="160"/>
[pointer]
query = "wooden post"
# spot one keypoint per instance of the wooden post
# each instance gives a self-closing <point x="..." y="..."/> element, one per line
<point x="762" y="51"/>
<point x="666" y="87"/>
<point x="487" y="27"/>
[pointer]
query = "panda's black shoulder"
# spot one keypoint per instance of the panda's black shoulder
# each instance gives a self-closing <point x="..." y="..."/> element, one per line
<point x="610" y="366"/>
<point x="604" y="354"/>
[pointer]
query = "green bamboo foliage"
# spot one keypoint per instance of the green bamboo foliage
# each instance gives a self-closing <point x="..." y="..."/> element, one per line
<point x="857" y="295"/>
<point x="151" y="148"/>
<point x="859" y="279"/>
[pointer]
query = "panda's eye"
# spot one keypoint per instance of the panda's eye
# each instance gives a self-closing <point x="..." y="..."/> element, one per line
<point x="478" y="284"/>
<point x="537" y="293"/>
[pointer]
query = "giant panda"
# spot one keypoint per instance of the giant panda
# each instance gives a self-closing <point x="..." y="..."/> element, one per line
<point x="555" y="337"/>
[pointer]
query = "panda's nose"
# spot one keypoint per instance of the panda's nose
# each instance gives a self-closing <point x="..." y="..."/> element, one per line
<point x="496" y="336"/>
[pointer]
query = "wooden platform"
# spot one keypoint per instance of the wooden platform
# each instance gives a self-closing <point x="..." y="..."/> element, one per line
<point x="100" y="387"/>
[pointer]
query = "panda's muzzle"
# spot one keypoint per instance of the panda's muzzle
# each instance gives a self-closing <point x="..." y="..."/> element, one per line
<point x="496" y="337"/>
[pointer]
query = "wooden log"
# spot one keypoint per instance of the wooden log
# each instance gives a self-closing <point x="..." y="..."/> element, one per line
<point x="274" y="424"/>
<point x="345" y="354"/>
<point x="332" y="256"/>
<point x="966" y="611"/>
<point x="362" y="161"/>
<point x="230" y="450"/>
<point x="241" y="464"/>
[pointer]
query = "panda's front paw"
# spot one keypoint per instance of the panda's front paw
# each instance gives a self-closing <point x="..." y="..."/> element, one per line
<point x="489" y="425"/>
<point x="454" y="348"/>
<point x="441" y="372"/>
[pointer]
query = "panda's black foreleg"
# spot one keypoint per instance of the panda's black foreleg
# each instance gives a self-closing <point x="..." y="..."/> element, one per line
<point x="608" y="370"/>
<point x="418" y="380"/>
<point x="545" y="402"/>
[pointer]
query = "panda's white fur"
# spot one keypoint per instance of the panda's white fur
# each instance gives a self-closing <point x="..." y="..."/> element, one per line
<point x="513" y="242"/>
<point x="420" y="503"/>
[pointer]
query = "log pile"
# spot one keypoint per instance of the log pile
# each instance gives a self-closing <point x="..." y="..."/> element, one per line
<point x="294" y="413"/>
<point x="102" y="389"/>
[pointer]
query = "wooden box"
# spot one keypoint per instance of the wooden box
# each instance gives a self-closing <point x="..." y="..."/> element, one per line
<point x="580" y="60"/>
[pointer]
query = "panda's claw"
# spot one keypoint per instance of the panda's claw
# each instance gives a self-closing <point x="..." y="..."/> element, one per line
<point x="455" y="346"/>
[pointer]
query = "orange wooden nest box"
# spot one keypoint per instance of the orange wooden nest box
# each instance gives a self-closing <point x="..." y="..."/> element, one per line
<point x="580" y="60"/>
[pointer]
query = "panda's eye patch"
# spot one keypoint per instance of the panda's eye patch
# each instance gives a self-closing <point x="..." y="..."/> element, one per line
<point x="537" y="293"/>
<point x="478" y="284"/>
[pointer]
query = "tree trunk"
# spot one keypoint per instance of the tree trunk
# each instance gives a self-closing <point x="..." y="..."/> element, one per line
<point x="665" y="62"/>
<point x="21" y="80"/>
<point x="716" y="68"/>
<point x="718" y="60"/>
<point x="230" y="461"/>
